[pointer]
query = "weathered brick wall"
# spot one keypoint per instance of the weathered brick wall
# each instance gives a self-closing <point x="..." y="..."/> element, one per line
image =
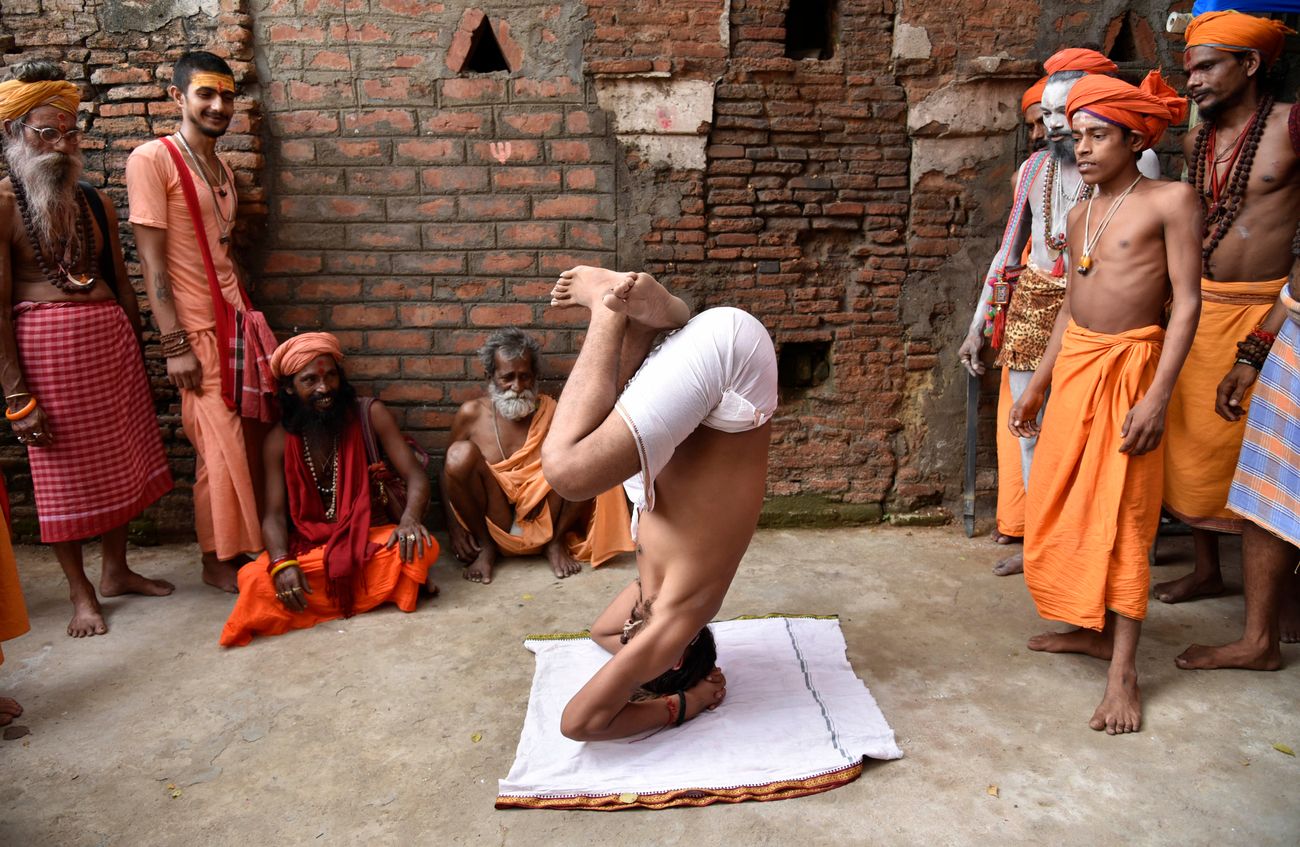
<point x="120" y="54"/>
<point x="411" y="207"/>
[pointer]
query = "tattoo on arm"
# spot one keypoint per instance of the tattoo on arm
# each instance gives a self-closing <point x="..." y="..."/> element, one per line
<point x="162" y="286"/>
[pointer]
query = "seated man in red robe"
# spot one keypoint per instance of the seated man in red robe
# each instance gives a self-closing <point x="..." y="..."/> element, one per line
<point x="331" y="548"/>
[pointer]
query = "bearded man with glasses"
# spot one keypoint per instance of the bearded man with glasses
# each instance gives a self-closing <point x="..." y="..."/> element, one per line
<point x="71" y="365"/>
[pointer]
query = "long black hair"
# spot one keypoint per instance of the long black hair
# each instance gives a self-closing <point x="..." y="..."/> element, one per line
<point x="699" y="658"/>
<point x="298" y="417"/>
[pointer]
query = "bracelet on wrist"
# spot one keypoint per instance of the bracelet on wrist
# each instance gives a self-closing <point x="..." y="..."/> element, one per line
<point x="19" y="414"/>
<point x="671" y="703"/>
<point x="283" y="565"/>
<point x="681" y="707"/>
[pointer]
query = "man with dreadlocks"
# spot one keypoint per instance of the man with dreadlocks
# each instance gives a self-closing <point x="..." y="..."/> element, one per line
<point x="70" y="362"/>
<point x="1245" y="165"/>
<point x="1244" y="169"/>
<point x="332" y="550"/>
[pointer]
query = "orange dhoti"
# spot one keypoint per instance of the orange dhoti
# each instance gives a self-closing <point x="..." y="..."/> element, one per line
<point x="606" y="533"/>
<point x="225" y="502"/>
<point x="1203" y="448"/>
<point x="1011" y="477"/>
<point x="1093" y="511"/>
<point x="384" y="578"/>
<point x="13" y="612"/>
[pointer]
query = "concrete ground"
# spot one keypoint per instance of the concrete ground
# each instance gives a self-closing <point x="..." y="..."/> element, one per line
<point x="362" y="732"/>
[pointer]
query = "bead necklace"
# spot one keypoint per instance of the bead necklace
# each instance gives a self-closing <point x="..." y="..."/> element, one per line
<point x="215" y="186"/>
<point x="1053" y="185"/>
<point x="1090" y="244"/>
<point x="62" y="275"/>
<point x="1221" y="197"/>
<point x="333" y="467"/>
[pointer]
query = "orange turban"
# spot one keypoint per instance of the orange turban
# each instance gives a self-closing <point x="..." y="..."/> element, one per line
<point x="1033" y="96"/>
<point x="301" y="350"/>
<point x="17" y="98"/>
<point x="1238" y="33"/>
<point x="1079" y="59"/>
<point x="1146" y="110"/>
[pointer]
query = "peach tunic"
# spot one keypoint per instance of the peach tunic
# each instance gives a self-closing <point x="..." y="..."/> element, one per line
<point x="225" y="499"/>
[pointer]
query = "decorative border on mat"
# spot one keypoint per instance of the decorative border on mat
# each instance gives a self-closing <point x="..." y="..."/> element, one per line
<point x="784" y="790"/>
<point x="586" y="633"/>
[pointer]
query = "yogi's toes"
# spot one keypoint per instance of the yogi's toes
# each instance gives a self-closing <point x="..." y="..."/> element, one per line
<point x="1010" y="566"/>
<point x="134" y="583"/>
<point x="9" y="709"/>
<point x="1186" y="588"/>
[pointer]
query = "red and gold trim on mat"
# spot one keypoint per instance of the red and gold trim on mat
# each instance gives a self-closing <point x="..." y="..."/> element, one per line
<point x="784" y="790"/>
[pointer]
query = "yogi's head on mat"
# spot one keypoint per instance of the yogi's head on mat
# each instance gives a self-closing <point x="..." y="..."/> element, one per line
<point x="512" y="360"/>
<point x="696" y="662"/>
<point x="42" y="144"/>
<point x="315" y="395"/>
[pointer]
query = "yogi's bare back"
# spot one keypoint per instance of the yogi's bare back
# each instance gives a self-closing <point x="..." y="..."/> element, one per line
<point x="1153" y="240"/>
<point x="1258" y="244"/>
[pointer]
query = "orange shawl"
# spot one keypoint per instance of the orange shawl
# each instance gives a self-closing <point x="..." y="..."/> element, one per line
<point x="1092" y="511"/>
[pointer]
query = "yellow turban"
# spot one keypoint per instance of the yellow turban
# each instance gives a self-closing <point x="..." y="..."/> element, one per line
<point x="17" y="98"/>
<point x="1238" y="33"/>
<point x="301" y="350"/>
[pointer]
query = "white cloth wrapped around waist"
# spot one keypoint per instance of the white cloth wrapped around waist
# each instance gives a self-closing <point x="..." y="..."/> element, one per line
<point x="717" y="371"/>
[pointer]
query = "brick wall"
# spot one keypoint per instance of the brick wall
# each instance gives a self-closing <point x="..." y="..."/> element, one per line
<point x="850" y="202"/>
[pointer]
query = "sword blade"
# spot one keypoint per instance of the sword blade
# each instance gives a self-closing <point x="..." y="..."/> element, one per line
<point x="972" y="438"/>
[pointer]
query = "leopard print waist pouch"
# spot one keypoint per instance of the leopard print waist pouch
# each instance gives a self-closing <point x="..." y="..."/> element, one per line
<point x="1034" y="303"/>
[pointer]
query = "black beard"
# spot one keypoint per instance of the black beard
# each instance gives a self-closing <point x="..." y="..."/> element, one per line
<point x="306" y="420"/>
<point x="1062" y="150"/>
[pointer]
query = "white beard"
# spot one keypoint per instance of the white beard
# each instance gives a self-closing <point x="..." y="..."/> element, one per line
<point x="50" y="180"/>
<point x="513" y="405"/>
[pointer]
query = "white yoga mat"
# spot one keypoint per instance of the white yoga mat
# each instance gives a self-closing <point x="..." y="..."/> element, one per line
<point x="796" y="721"/>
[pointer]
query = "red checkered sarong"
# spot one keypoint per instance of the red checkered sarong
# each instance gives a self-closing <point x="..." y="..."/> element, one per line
<point x="106" y="463"/>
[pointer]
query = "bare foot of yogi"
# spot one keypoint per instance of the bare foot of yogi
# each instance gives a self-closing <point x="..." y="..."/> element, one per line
<point x="1120" y="710"/>
<point x="1086" y="641"/>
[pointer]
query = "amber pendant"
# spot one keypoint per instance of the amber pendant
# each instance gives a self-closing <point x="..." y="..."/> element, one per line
<point x="1085" y="264"/>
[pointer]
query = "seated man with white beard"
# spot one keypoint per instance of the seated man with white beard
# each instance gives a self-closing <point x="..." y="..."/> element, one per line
<point x="497" y="501"/>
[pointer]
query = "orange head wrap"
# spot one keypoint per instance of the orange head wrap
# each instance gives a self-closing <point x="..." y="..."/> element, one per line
<point x="1033" y="96"/>
<point x="1146" y="110"/>
<point x="17" y="98"/>
<point x="301" y="350"/>
<point x="1238" y="33"/>
<point x="1079" y="59"/>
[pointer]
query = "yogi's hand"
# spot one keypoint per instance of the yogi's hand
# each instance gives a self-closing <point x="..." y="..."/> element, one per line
<point x="292" y="589"/>
<point x="708" y="693"/>
<point x="1143" y="427"/>
<point x="184" y="371"/>
<point x="33" y="429"/>
<point x="969" y="353"/>
<point x="1227" y="401"/>
<point x="411" y="538"/>
<point x="463" y="544"/>
<point x="1023" y="420"/>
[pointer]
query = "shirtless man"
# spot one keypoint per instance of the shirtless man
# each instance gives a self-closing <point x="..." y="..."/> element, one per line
<point x="1094" y="491"/>
<point x="497" y="502"/>
<point x="1252" y="192"/>
<point x="689" y="435"/>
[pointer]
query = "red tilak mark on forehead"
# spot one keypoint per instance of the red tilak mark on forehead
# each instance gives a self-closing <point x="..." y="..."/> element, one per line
<point x="63" y="120"/>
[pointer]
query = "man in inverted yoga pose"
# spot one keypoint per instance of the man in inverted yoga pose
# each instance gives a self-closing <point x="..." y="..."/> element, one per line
<point x="688" y="436"/>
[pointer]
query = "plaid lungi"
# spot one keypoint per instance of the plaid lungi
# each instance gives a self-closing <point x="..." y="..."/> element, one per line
<point x="106" y="463"/>
<point x="1266" y="487"/>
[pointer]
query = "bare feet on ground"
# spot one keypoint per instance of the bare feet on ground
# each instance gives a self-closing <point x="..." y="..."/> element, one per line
<point x="223" y="575"/>
<point x="1002" y="538"/>
<point x="1013" y="564"/>
<point x="1086" y="641"/>
<point x="480" y="570"/>
<point x="87" y="619"/>
<point x="585" y="286"/>
<point x="9" y="709"/>
<point x="134" y="583"/>
<point x="645" y="301"/>
<point x="1239" y="654"/>
<point x="1188" y="587"/>
<point x="1120" y="710"/>
<point x="562" y="564"/>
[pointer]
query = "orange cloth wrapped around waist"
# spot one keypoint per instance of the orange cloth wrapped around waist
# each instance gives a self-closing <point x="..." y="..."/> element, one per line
<point x="13" y="612"/>
<point x="1092" y="511"/>
<point x="607" y="534"/>
<point x="1011" y="476"/>
<point x="383" y="578"/>
<point x="1202" y="447"/>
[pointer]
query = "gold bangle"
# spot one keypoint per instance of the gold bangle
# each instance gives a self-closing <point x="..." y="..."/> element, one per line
<point x="287" y="563"/>
<point x="21" y="413"/>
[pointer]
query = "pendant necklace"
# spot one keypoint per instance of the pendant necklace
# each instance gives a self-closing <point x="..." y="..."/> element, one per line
<point x="224" y="224"/>
<point x="1090" y="244"/>
<point x="333" y="467"/>
<point x="76" y="250"/>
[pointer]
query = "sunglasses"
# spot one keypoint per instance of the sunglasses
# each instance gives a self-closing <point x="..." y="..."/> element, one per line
<point x="50" y="135"/>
